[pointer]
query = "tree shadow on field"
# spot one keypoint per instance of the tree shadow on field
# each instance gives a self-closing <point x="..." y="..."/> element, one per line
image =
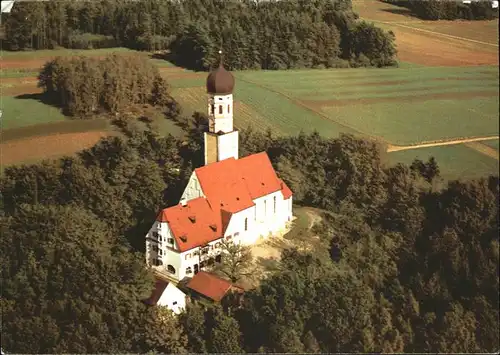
<point x="43" y="98"/>
<point x="401" y="11"/>
<point x="175" y="60"/>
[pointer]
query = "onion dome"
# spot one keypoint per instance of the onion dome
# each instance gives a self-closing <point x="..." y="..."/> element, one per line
<point x="220" y="81"/>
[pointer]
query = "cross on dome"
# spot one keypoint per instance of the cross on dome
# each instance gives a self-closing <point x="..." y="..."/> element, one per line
<point x="221" y="58"/>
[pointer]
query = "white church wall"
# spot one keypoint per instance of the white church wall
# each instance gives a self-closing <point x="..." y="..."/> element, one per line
<point x="193" y="189"/>
<point x="228" y="146"/>
<point x="236" y="227"/>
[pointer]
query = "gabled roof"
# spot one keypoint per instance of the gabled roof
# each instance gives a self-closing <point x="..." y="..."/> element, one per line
<point x="223" y="185"/>
<point x="190" y="232"/>
<point x="259" y="175"/>
<point x="233" y="184"/>
<point x="160" y="286"/>
<point x="211" y="286"/>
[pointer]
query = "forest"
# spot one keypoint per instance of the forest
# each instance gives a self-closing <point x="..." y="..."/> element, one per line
<point x="412" y="264"/>
<point x="254" y="35"/>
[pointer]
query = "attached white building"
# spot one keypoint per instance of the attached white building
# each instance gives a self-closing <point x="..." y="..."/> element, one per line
<point x="227" y="199"/>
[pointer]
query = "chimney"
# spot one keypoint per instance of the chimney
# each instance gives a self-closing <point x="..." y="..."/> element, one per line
<point x="183" y="203"/>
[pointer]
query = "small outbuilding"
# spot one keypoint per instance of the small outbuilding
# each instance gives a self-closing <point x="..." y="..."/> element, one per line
<point x="166" y="294"/>
<point x="212" y="287"/>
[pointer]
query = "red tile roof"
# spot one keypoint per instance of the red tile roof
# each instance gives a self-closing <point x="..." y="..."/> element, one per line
<point x="189" y="234"/>
<point x="285" y="190"/>
<point x="230" y="186"/>
<point x="160" y="287"/>
<point x="223" y="185"/>
<point x="211" y="286"/>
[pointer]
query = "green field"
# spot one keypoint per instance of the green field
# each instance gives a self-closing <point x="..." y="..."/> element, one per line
<point x="397" y="105"/>
<point x="27" y="112"/>
<point x="454" y="161"/>
<point x="401" y="106"/>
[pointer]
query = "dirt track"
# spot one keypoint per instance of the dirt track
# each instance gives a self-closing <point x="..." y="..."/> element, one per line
<point x="38" y="148"/>
<point x="483" y="149"/>
<point x="396" y="148"/>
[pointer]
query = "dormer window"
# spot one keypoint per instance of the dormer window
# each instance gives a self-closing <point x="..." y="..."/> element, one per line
<point x="192" y="219"/>
<point x="183" y="238"/>
<point x="213" y="227"/>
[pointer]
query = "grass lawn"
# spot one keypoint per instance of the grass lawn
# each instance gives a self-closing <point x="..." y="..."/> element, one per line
<point x="492" y="143"/>
<point x="26" y="112"/>
<point x="454" y="161"/>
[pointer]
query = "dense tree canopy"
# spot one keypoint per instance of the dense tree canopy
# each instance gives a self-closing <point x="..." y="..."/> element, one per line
<point x="85" y="86"/>
<point x="407" y="263"/>
<point x="254" y="34"/>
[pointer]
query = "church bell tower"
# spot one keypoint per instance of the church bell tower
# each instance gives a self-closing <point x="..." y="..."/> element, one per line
<point x="221" y="140"/>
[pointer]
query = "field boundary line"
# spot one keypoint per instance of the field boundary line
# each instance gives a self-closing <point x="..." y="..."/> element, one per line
<point x="434" y="32"/>
<point x="483" y="149"/>
<point x="319" y="113"/>
<point x="395" y="148"/>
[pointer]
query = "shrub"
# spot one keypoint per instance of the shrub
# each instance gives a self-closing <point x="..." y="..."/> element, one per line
<point x="90" y="41"/>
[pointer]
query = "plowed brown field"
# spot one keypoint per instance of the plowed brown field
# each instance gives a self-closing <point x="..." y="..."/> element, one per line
<point x="38" y="148"/>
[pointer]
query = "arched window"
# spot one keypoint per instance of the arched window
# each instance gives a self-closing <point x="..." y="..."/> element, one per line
<point x="220" y="109"/>
<point x="246" y="224"/>
<point x="274" y="202"/>
<point x="228" y="108"/>
<point x="212" y="107"/>
<point x="171" y="269"/>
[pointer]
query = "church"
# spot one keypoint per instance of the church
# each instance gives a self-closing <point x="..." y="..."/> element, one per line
<point x="229" y="199"/>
